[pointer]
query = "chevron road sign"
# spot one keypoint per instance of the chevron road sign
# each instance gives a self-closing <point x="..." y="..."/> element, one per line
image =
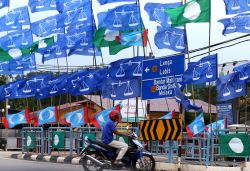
<point x="165" y="129"/>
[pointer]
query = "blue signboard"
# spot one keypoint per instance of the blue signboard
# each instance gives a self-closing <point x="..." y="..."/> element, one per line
<point x="159" y="75"/>
<point x="225" y="110"/>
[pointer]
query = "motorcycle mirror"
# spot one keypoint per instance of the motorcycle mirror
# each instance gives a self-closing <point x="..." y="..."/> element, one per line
<point x="127" y="127"/>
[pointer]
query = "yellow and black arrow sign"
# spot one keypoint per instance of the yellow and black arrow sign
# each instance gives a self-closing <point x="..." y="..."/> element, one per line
<point x="166" y="129"/>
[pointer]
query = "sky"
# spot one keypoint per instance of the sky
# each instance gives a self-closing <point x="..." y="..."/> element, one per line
<point x="197" y="33"/>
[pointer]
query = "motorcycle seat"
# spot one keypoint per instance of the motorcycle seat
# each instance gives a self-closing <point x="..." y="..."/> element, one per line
<point x="109" y="148"/>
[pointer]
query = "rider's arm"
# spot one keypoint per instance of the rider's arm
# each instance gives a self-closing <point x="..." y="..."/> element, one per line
<point x="121" y="133"/>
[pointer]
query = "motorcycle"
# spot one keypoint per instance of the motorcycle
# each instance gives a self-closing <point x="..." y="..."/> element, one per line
<point x="98" y="156"/>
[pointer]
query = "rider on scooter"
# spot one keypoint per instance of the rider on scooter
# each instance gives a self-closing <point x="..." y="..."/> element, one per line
<point x="110" y="129"/>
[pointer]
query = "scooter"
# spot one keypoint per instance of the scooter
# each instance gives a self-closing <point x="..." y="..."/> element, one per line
<point x="98" y="156"/>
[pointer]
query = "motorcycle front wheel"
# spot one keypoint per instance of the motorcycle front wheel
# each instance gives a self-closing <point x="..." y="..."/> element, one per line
<point x="89" y="165"/>
<point x="146" y="162"/>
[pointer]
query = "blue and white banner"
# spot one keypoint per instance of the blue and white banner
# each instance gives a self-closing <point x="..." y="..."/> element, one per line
<point x="67" y="5"/>
<point x="53" y="52"/>
<point x="15" y="19"/>
<point x="47" y="115"/>
<point x="121" y="89"/>
<point x="75" y="118"/>
<point x="55" y="86"/>
<point x="171" y="38"/>
<point x="220" y="125"/>
<point x="17" y="39"/>
<point x="124" y="17"/>
<point x="33" y="85"/>
<point x="4" y="3"/>
<point x="102" y="2"/>
<point x="156" y="12"/>
<point x="230" y="87"/>
<point x="126" y="68"/>
<point x="239" y="23"/>
<point x="11" y="90"/>
<point x="196" y="127"/>
<point x="244" y="71"/>
<point x="84" y="51"/>
<point x="204" y="70"/>
<point x="47" y="26"/>
<point x="18" y="118"/>
<point x="42" y="5"/>
<point x="237" y="6"/>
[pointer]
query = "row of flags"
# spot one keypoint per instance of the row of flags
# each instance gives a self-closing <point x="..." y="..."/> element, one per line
<point x="75" y="118"/>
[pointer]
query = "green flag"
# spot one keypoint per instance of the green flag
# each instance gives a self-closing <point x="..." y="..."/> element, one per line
<point x="30" y="138"/>
<point x="234" y="145"/>
<point x="107" y="38"/>
<point x="16" y="52"/>
<point x="58" y="139"/>
<point x="192" y="12"/>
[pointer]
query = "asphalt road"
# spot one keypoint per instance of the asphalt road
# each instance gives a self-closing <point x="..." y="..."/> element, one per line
<point x="10" y="164"/>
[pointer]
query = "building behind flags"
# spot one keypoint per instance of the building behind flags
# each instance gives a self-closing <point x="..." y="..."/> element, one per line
<point x="47" y="115"/>
<point x="10" y="121"/>
<point x="234" y="145"/>
<point x="77" y="118"/>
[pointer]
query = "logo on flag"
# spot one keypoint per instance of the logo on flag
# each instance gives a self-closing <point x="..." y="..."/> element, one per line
<point x="15" y="119"/>
<point x="76" y="118"/>
<point x="47" y="115"/>
<point x="196" y="126"/>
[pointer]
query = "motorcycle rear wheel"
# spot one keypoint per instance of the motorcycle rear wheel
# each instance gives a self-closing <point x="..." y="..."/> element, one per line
<point x="147" y="164"/>
<point x="89" y="165"/>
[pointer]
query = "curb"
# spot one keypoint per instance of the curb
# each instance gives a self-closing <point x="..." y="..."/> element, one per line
<point x="43" y="158"/>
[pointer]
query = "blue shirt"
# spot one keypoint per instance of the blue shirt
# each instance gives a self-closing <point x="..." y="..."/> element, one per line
<point x="107" y="132"/>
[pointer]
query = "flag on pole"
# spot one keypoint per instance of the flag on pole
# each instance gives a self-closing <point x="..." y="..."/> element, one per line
<point x="4" y="3"/>
<point x="244" y="71"/>
<point x="42" y="5"/>
<point x="136" y="38"/>
<point x="196" y="126"/>
<point x="77" y="118"/>
<point x="170" y="115"/>
<point x="102" y="117"/>
<point x="194" y="11"/>
<point x="104" y="37"/>
<point x="239" y="23"/>
<point x="47" y="115"/>
<point x="12" y="120"/>
<point x="237" y="6"/>
<point x="221" y="125"/>
<point x="234" y="145"/>
<point x="102" y="2"/>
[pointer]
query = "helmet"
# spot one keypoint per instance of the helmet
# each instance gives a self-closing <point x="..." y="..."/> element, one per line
<point x="115" y="115"/>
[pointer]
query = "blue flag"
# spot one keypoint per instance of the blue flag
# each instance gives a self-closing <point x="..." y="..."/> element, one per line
<point x="79" y="15"/>
<point x="239" y="23"/>
<point x="42" y="5"/>
<point x="171" y="38"/>
<point x="220" y="126"/>
<point x="181" y="98"/>
<point x="102" y="2"/>
<point x="17" y="39"/>
<point x="170" y="115"/>
<point x="84" y="83"/>
<point x="33" y="85"/>
<point x="230" y="87"/>
<point x="11" y="89"/>
<point x="136" y="38"/>
<point x="126" y="68"/>
<point x="18" y="118"/>
<point x="121" y="89"/>
<point x="237" y="6"/>
<point x="2" y="93"/>
<point x="125" y="17"/>
<point x="156" y="12"/>
<point x="244" y="71"/>
<point x="68" y="5"/>
<point x="47" y="115"/>
<point x="4" y="3"/>
<point x="84" y="51"/>
<point x="15" y="19"/>
<point x="55" y="86"/>
<point x="53" y="52"/>
<point x="102" y="118"/>
<point x="204" y="70"/>
<point x="47" y="26"/>
<point x="75" y="118"/>
<point x="196" y="127"/>
<point x="19" y="65"/>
